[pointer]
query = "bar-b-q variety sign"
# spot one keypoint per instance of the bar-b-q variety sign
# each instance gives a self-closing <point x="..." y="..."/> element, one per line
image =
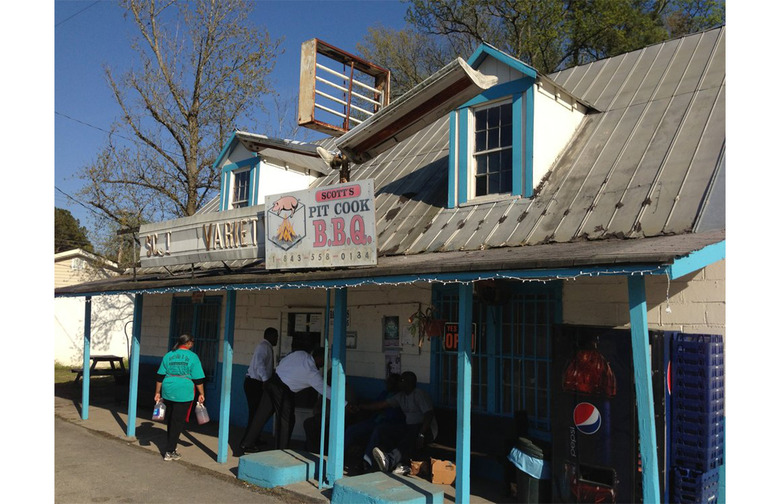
<point x="330" y="226"/>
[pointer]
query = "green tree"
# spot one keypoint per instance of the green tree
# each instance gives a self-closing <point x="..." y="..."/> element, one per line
<point x="201" y="69"/>
<point x="549" y="35"/>
<point x="410" y="54"/>
<point x="69" y="234"/>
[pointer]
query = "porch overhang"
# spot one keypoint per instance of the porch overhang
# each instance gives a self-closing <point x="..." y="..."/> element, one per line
<point x="674" y="256"/>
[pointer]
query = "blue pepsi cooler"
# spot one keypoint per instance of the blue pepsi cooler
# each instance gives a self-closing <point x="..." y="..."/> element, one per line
<point x="594" y="426"/>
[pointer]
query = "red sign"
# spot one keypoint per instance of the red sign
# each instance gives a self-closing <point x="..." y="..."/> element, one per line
<point x="450" y="340"/>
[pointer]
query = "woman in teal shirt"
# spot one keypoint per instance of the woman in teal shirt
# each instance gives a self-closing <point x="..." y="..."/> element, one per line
<point x="179" y="375"/>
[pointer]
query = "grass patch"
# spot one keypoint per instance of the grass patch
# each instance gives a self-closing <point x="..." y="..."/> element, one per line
<point x="62" y="373"/>
<point x="66" y="386"/>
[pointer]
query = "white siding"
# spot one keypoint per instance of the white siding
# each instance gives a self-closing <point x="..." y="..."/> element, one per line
<point x="276" y="179"/>
<point x="111" y="317"/>
<point x="555" y="120"/>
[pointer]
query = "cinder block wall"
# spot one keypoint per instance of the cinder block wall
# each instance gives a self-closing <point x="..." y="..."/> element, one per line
<point x="696" y="302"/>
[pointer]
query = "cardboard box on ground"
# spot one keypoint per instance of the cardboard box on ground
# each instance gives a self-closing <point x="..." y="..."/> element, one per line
<point x="442" y="471"/>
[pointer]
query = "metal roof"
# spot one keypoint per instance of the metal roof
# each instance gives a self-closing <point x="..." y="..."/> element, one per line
<point x="648" y="163"/>
<point x="433" y="98"/>
<point x="300" y="154"/>
<point x="651" y="256"/>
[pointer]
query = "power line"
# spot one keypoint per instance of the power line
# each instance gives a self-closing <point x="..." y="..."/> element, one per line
<point x="134" y="140"/>
<point x="78" y="202"/>
<point x="76" y="14"/>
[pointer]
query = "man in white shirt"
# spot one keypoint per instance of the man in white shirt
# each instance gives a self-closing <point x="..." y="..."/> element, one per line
<point x="397" y="443"/>
<point x="295" y="372"/>
<point x="261" y="367"/>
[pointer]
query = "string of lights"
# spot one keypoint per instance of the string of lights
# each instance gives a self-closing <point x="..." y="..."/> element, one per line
<point x="455" y="278"/>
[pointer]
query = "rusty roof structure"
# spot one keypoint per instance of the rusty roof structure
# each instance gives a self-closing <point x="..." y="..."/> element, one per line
<point x="642" y="181"/>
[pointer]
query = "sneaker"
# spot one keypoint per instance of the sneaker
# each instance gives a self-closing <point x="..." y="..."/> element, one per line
<point x="402" y="469"/>
<point x="380" y="458"/>
<point x="174" y="455"/>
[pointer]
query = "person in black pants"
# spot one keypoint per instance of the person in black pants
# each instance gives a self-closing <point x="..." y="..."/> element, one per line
<point x="260" y="370"/>
<point x="180" y="375"/>
<point x="295" y="372"/>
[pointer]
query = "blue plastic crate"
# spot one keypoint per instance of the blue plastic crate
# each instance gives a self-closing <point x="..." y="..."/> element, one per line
<point x="703" y="350"/>
<point x="698" y="452"/>
<point x="709" y="430"/>
<point x="696" y="407"/>
<point x="695" y="486"/>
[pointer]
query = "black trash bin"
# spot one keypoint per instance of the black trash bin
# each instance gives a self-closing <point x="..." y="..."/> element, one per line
<point x="532" y="476"/>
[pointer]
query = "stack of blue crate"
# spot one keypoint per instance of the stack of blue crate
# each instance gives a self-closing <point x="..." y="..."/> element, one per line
<point x="697" y="417"/>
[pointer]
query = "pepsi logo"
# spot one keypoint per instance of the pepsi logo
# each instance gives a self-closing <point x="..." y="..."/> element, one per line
<point x="587" y="418"/>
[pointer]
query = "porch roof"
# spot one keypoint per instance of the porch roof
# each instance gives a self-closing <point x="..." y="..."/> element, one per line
<point x="648" y="256"/>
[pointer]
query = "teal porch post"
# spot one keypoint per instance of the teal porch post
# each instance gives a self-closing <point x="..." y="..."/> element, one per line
<point x="227" y="377"/>
<point x="87" y="344"/>
<point x="640" y="347"/>
<point x="135" y="359"/>
<point x="325" y="367"/>
<point x="463" y="440"/>
<point x="335" y="465"/>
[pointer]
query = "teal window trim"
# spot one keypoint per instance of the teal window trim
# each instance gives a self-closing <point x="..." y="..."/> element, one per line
<point x="452" y="180"/>
<point x="527" y="142"/>
<point x="522" y="139"/>
<point x="518" y="146"/>
<point x="226" y="178"/>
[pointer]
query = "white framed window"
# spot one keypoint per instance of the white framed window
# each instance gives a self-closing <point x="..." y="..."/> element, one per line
<point x="240" y="193"/>
<point x="238" y="186"/>
<point x="491" y="145"/>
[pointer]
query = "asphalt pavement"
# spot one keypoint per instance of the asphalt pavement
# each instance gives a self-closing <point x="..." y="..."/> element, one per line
<point x="91" y="466"/>
<point x="103" y="464"/>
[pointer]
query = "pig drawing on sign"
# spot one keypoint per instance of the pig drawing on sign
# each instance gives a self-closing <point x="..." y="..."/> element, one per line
<point x="286" y="203"/>
<point x="286" y="232"/>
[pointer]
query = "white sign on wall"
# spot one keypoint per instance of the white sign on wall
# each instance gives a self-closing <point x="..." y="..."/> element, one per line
<point x="216" y="236"/>
<point x="330" y="226"/>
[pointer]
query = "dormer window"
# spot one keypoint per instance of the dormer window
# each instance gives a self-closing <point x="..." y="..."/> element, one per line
<point x="493" y="139"/>
<point x="240" y="184"/>
<point x="492" y="144"/>
<point x="492" y="149"/>
<point x="240" y="188"/>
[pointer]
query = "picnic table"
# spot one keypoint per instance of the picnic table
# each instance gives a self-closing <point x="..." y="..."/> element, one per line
<point x="117" y="369"/>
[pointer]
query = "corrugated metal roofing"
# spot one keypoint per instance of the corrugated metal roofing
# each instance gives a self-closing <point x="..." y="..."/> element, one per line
<point x="649" y="162"/>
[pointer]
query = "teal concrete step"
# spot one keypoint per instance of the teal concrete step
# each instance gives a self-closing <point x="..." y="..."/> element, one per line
<point x="378" y="488"/>
<point x="274" y="468"/>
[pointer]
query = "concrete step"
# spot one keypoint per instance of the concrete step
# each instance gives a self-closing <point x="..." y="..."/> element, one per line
<point x="379" y="488"/>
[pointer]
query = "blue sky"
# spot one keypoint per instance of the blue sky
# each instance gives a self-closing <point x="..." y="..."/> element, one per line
<point x="89" y="34"/>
